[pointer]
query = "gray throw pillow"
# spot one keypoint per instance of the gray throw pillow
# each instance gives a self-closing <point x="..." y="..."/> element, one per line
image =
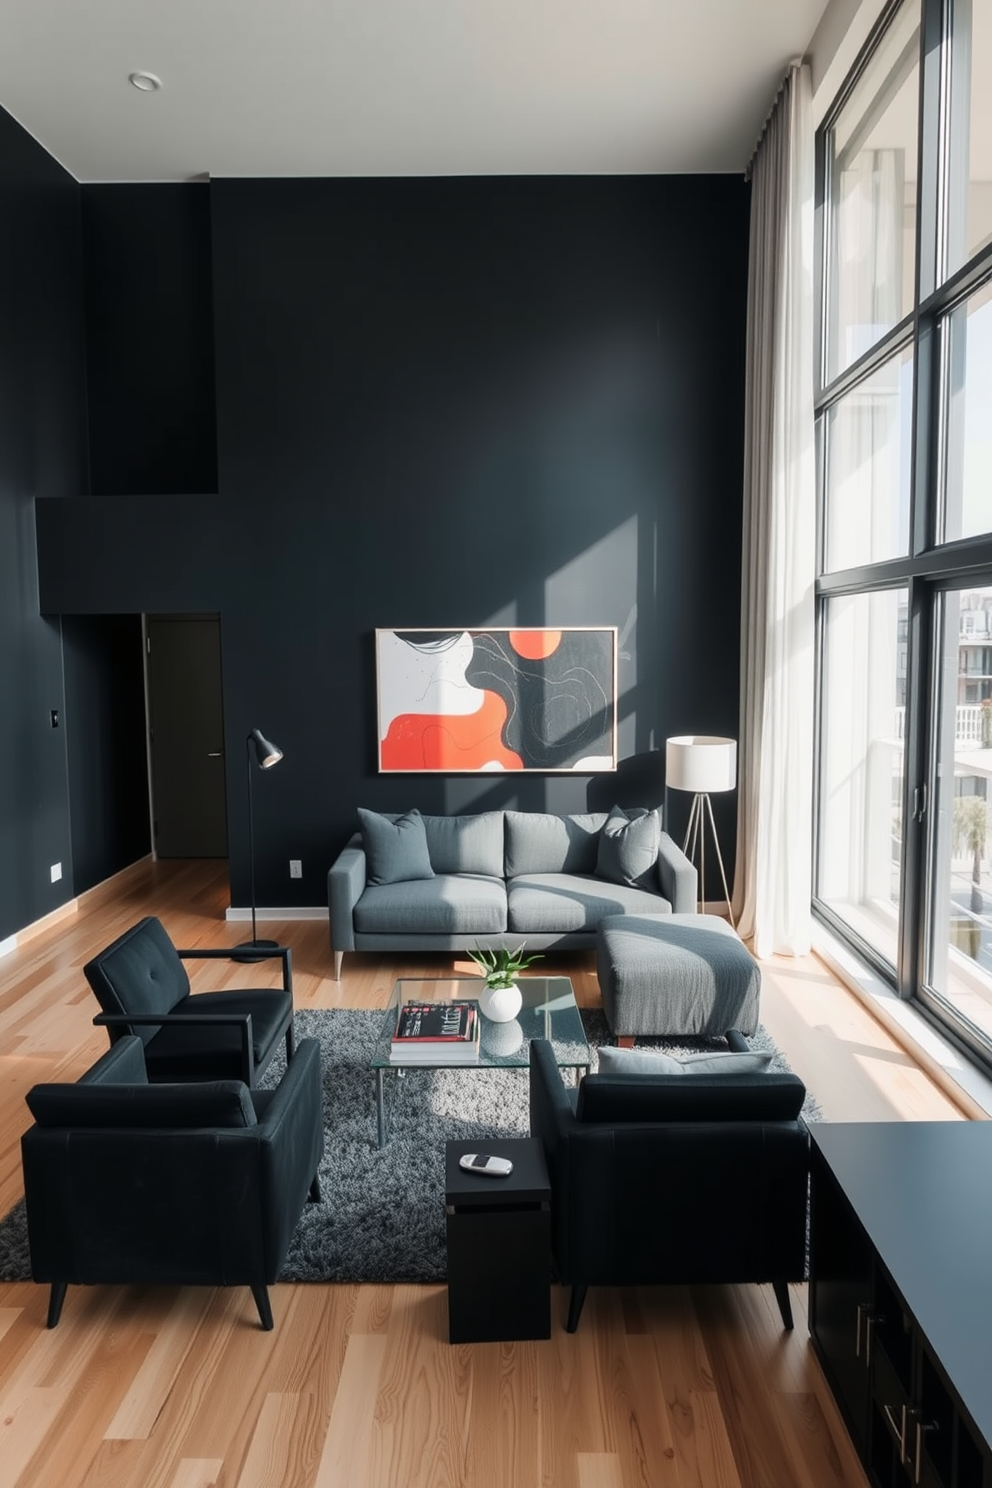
<point x="628" y="848"/>
<point x="396" y="851"/>
<point x="656" y="1062"/>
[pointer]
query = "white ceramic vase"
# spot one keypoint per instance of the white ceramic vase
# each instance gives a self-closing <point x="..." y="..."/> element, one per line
<point x="500" y="1004"/>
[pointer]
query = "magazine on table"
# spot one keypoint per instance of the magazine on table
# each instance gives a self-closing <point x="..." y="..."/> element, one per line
<point x="431" y="1031"/>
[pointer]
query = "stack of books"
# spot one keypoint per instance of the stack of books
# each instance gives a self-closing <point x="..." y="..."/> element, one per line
<point x="436" y="1033"/>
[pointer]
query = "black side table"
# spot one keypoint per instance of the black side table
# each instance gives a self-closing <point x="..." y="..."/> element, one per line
<point x="499" y="1244"/>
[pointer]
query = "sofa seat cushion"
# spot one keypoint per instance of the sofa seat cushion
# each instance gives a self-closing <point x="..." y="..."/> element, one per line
<point x="183" y="1052"/>
<point x="448" y="904"/>
<point x="557" y="903"/>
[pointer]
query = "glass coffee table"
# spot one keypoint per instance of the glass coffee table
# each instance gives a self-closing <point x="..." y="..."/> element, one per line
<point x="549" y="1011"/>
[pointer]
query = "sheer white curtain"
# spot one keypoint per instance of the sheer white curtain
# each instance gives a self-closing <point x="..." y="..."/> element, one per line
<point x="772" y="882"/>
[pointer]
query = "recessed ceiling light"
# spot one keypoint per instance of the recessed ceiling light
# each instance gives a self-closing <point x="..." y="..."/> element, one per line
<point x="145" y="82"/>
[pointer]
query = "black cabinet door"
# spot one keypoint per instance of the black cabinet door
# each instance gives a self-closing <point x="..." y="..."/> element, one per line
<point x="840" y="1295"/>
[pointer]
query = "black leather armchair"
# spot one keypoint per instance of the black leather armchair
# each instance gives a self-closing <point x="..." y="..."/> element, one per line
<point x="673" y="1178"/>
<point x="141" y="984"/>
<point x="198" y="1184"/>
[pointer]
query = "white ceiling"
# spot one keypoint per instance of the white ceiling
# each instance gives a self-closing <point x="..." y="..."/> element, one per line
<point x="397" y="87"/>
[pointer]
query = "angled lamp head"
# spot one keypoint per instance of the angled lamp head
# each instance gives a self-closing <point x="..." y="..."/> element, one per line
<point x="266" y="753"/>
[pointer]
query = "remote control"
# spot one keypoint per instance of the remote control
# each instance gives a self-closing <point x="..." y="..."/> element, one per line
<point x="481" y="1162"/>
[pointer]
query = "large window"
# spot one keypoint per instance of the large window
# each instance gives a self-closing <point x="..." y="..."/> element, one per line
<point x="861" y="781"/>
<point x="966" y="347"/>
<point x="868" y="467"/>
<point x="903" y="865"/>
<point x="872" y="147"/>
<point x="959" y="972"/>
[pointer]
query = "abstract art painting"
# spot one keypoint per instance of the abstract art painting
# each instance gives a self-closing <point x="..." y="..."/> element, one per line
<point x="472" y="700"/>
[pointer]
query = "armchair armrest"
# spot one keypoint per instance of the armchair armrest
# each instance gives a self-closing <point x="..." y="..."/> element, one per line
<point x="197" y="1020"/>
<point x="345" y="885"/>
<point x="249" y="953"/>
<point x="290" y="1145"/>
<point x="677" y="876"/>
<point x="301" y="1081"/>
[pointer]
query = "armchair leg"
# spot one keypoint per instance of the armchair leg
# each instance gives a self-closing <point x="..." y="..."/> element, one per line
<point x="261" y="1295"/>
<point x="55" y="1300"/>
<point x="781" y="1290"/>
<point x="313" y="1197"/>
<point x="575" y="1307"/>
<point x="338" y="959"/>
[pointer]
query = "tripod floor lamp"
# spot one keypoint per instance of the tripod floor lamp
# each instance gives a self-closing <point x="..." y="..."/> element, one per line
<point x="265" y="754"/>
<point x="704" y="764"/>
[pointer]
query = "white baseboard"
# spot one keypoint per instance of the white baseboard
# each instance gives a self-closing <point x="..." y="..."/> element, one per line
<point x="718" y="907"/>
<point x="299" y="912"/>
<point x="37" y="927"/>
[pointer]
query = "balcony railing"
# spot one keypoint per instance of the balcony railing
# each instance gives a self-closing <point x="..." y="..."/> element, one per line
<point x="967" y="725"/>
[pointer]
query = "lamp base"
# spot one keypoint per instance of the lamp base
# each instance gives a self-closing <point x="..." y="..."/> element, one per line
<point x="246" y="947"/>
<point x="695" y="841"/>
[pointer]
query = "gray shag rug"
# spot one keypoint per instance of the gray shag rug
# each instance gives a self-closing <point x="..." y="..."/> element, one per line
<point x="382" y="1218"/>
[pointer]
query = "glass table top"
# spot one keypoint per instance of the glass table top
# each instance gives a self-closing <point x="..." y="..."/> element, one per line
<point x="549" y="1011"/>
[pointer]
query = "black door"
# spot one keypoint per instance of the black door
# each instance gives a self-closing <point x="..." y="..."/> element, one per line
<point x="186" y="736"/>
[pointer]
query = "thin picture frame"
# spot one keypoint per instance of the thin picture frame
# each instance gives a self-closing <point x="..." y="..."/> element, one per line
<point x="495" y="699"/>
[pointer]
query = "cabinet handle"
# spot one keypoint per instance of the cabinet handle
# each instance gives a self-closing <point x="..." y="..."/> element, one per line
<point x="899" y="1432"/>
<point x="863" y="1336"/>
<point x="918" y="1454"/>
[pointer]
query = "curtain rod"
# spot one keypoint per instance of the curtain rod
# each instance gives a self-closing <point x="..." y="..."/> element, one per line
<point x="796" y="62"/>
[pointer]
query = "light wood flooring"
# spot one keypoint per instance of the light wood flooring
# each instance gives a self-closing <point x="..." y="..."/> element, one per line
<point x="357" y="1385"/>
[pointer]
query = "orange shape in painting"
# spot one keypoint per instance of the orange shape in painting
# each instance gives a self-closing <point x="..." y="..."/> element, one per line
<point x="450" y="741"/>
<point x="535" y="645"/>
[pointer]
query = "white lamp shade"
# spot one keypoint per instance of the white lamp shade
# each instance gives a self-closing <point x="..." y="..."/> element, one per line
<point x="701" y="763"/>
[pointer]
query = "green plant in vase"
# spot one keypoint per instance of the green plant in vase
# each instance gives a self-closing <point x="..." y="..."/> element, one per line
<point x="501" y="967"/>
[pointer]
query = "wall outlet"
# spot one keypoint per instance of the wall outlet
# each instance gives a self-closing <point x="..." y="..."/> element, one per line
<point x="295" y="868"/>
<point x="56" y="872"/>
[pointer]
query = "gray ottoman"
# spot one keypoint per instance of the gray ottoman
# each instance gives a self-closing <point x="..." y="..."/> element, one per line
<point x="675" y="974"/>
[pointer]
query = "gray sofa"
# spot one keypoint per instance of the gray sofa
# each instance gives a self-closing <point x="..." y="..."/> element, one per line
<point x="500" y="875"/>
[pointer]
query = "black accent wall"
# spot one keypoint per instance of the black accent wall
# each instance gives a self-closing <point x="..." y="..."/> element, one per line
<point x="149" y="339"/>
<point x="438" y="403"/>
<point x="75" y="794"/>
<point x="42" y="454"/>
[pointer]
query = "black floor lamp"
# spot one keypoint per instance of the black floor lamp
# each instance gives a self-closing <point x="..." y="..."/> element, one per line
<point x="266" y="754"/>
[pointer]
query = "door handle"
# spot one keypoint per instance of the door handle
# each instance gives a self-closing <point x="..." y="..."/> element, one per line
<point x="215" y="754"/>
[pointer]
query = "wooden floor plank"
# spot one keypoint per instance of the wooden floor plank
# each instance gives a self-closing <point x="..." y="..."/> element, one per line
<point x="161" y="1366"/>
<point x="347" y="1455"/>
<point x="199" y="1472"/>
<point x="599" y="1470"/>
<point x="25" y="1423"/>
<point x="274" y="1454"/>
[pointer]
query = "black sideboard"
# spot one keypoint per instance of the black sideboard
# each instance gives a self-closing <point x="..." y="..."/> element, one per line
<point x="900" y="1294"/>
